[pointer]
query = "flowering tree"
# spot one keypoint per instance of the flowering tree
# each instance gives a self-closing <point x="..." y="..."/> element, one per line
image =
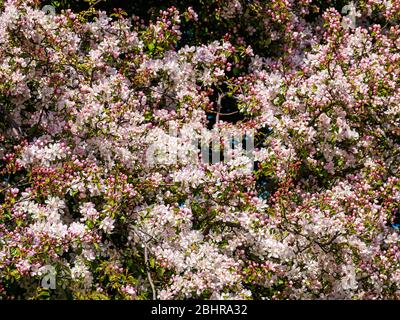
<point x="261" y="163"/>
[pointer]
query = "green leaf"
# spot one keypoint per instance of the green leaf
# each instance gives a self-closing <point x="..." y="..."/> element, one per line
<point x="151" y="46"/>
<point x="160" y="271"/>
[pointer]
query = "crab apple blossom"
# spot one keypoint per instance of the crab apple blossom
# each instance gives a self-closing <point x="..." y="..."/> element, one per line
<point x="140" y="159"/>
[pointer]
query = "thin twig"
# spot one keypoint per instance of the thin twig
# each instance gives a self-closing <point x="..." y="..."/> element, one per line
<point x="146" y="259"/>
<point x="219" y="101"/>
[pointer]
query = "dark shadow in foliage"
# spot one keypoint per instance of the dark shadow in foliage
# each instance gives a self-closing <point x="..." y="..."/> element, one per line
<point x="228" y="111"/>
<point x="265" y="185"/>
